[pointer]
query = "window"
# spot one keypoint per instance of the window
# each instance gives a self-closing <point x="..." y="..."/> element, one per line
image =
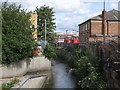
<point x="76" y="38"/>
<point x="69" y="38"/>
<point x="33" y="26"/>
<point x="56" y="39"/>
<point x="61" y="38"/>
<point x="86" y="26"/>
<point x="83" y="27"/>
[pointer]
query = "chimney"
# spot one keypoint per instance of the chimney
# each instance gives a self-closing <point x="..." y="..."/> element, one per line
<point x="104" y="18"/>
<point x="104" y="23"/>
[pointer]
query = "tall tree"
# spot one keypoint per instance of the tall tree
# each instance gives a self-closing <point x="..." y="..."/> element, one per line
<point x="46" y="13"/>
<point x="17" y="42"/>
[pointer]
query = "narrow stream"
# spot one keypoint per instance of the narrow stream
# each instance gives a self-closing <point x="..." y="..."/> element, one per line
<point x="61" y="76"/>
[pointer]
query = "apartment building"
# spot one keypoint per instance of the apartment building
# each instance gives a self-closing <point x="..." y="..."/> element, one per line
<point x="33" y="26"/>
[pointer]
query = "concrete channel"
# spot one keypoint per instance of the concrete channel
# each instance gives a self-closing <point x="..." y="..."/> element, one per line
<point x="32" y="81"/>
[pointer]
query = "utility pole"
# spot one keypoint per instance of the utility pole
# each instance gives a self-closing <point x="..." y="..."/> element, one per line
<point x="66" y="32"/>
<point x="104" y="4"/>
<point x="45" y="32"/>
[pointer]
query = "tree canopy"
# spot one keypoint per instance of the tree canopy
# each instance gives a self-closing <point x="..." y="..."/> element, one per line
<point x="17" y="39"/>
<point x="46" y="13"/>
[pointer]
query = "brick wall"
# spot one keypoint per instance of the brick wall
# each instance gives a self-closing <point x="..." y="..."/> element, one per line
<point x="84" y="34"/>
<point x="96" y="27"/>
<point x="112" y="28"/>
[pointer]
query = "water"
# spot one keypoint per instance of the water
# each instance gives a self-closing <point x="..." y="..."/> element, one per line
<point x="61" y="76"/>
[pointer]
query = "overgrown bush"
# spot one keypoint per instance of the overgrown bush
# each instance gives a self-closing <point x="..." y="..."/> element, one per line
<point x="49" y="52"/>
<point x="17" y="39"/>
<point x="86" y="68"/>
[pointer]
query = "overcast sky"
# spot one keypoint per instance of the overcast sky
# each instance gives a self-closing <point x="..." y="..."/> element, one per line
<point x="69" y="13"/>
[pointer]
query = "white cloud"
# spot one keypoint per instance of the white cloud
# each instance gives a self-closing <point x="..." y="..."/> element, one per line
<point x="114" y="5"/>
<point x="59" y="0"/>
<point x="59" y="5"/>
<point x="82" y="11"/>
<point x="69" y="13"/>
<point x="66" y="5"/>
<point x="94" y="14"/>
<point x="103" y="0"/>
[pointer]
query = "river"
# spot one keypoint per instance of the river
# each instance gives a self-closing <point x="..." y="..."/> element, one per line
<point x="61" y="77"/>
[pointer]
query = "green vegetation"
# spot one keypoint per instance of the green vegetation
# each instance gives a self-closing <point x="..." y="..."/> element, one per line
<point x="46" y="13"/>
<point x="17" y="39"/>
<point x="10" y="84"/>
<point x="118" y="41"/>
<point x="50" y="52"/>
<point x="85" y="66"/>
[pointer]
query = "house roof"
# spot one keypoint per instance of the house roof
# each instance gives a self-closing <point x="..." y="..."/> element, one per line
<point x="111" y="15"/>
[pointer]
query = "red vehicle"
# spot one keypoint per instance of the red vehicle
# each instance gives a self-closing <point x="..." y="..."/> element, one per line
<point x="68" y="39"/>
<point x="37" y="51"/>
<point x="59" y="41"/>
<point x="71" y="40"/>
<point x="75" y="39"/>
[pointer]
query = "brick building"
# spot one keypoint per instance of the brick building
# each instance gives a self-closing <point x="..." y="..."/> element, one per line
<point x="103" y="25"/>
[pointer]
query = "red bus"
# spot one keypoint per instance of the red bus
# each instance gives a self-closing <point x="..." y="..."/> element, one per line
<point x="68" y="39"/>
<point x="75" y="39"/>
<point x="59" y="41"/>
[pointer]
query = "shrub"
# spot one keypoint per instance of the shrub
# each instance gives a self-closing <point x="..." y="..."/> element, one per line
<point x="86" y="68"/>
<point x="49" y="51"/>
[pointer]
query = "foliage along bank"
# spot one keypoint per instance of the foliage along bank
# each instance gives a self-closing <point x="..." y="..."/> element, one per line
<point x="50" y="52"/>
<point x="85" y="67"/>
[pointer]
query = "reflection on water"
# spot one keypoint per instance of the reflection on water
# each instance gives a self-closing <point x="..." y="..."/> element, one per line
<point x="62" y="78"/>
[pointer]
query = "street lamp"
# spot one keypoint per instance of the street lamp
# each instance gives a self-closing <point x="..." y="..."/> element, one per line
<point x="66" y="32"/>
<point x="75" y="32"/>
<point x="45" y="32"/>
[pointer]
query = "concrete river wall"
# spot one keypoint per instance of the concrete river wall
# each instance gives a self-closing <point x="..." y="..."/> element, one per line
<point x="20" y="68"/>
